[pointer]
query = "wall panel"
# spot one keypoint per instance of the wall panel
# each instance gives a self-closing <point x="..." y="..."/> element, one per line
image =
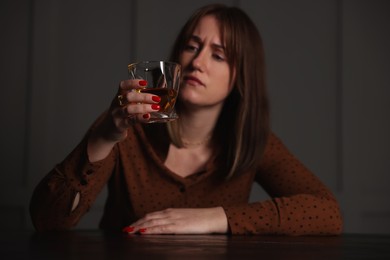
<point x="15" y="17"/>
<point x="366" y="66"/>
<point x="301" y="44"/>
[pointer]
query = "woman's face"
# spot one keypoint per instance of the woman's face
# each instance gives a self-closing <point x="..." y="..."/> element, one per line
<point x="206" y="73"/>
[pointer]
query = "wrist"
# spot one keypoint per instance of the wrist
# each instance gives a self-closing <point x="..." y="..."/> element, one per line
<point x="222" y="225"/>
<point x="106" y="131"/>
<point x="99" y="146"/>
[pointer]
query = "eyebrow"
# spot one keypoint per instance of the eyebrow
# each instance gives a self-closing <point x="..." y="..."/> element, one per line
<point x="214" y="45"/>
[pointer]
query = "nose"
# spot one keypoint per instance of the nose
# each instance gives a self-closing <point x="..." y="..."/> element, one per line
<point x="199" y="61"/>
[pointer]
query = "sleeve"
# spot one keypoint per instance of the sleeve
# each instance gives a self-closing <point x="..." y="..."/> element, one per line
<point x="52" y="204"/>
<point x="300" y="203"/>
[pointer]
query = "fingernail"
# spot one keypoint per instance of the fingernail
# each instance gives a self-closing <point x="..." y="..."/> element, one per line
<point x="156" y="98"/>
<point x="128" y="229"/>
<point x="155" y="107"/>
<point x="142" y="230"/>
<point x="146" y="116"/>
<point x="143" y="83"/>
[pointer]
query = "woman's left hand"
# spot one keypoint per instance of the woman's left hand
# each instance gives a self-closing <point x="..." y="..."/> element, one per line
<point x="182" y="221"/>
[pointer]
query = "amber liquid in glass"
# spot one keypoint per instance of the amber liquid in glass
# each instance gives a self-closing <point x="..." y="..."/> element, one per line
<point x="168" y="97"/>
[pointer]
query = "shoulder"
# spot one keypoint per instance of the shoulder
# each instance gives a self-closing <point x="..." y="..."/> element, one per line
<point x="273" y="143"/>
<point x="275" y="151"/>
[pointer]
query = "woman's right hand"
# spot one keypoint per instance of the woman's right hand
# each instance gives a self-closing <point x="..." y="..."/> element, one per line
<point x="130" y="106"/>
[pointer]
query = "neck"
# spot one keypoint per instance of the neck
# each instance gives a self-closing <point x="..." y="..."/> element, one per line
<point x="196" y="127"/>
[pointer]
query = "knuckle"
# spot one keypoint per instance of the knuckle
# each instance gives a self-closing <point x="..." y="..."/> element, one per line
<point x="166" y="229"/>
<point x="126" y="110"/>
<point x="148" y="217"/>
<point x="147" y="98"/>
<point x="124" y="85"/>
<point x="121" y="84"/>
<point x="146" y="108"/>
<point x="131" y="96"/>
<point x="168" y="212"/>
<point x="136" y="109"/>
<point x="154" y="222"/>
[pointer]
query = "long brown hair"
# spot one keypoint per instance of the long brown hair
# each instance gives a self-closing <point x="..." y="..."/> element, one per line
<point x="243" y="125"/>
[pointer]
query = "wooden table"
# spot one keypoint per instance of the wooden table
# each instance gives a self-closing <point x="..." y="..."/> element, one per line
<point x="96" y="245"/>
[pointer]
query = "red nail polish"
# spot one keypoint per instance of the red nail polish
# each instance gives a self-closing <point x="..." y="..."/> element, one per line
<point x="128" y="229"/>
<point x="143" y="83"/>
<point x="156" y="98"/>
<point x="155" y="107"/>
<point x="146" y="116"/>
<point x="142" y="230"/>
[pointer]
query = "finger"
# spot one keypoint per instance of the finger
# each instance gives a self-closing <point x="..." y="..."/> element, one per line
<point x="137" y="97"/>
<point x="154" y="218"/>
<point x="124" y="119"/>
<point x="129" y="84"/>
<point x="133" y="119"/>
<point x="149" y="220"/>
<point x="152" y="229"/>
<point x="159" y="222"/>
<point x="154" y="223"/>
<point x="162" y="229"/>
<point x="139" y="108"/>
<point x="143" y="118"/>
<point x="134" y="109"/>
<point x="153" y="226"/>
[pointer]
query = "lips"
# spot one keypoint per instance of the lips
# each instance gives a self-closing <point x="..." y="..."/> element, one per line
<point x="193" y="80"/>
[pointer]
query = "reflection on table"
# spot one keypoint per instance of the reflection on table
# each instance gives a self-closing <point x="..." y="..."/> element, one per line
<point x="101" y="245"/>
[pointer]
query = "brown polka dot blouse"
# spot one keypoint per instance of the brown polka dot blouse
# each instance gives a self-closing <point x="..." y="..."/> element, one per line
<point x="139" y="183"/>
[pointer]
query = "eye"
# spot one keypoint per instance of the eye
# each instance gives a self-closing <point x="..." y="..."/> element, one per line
<point x="219" y="57"/>
<point x="191" y="48"/>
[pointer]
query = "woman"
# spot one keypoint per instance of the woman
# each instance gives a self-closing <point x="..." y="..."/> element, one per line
<point x="193" y="175"/>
